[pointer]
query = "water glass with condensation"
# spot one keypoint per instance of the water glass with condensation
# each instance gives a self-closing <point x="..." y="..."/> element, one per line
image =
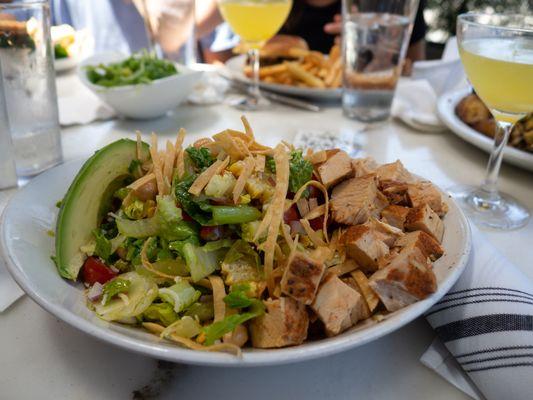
<point x="376" y="35"/>
<point x="28" y="82"/>
<point x="8" y="175"/>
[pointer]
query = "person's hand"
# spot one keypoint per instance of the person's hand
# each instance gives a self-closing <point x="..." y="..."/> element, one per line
<point x="335" y="26"/>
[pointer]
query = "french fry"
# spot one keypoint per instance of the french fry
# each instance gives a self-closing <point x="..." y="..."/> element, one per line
<point x="332" y="73"/>
<point x="335" y="52"/>
<point x="304" y="76"/>
<point x="272" y="70"/>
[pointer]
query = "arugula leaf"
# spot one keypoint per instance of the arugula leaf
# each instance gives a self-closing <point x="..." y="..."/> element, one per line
<point x="201" y="157"/>
<point x="114" y="287"/>
<point x="188" y="204"/>
<point x="103" y="245"/>
<point x="301" y="170"/>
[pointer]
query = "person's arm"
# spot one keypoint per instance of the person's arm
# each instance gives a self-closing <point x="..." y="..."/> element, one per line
<point x="207" y="17"/>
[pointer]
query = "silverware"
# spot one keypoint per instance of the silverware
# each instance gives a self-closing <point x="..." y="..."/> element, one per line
<point x="289" y="101"/>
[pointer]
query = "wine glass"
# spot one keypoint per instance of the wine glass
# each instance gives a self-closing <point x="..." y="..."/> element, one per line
<point x="497" y="54"/>
<point x="255" y="21"/>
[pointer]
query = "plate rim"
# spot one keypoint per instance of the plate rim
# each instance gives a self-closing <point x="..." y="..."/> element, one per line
<point x="446" y="111"/>
<point x="266" y="357"/>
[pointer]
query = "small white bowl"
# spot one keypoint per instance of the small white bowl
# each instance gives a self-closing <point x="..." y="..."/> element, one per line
<point x="142" y="101"/>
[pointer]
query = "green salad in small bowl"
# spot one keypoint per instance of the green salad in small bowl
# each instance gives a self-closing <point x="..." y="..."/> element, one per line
<point x="138" y="86"/>
<point x="139" y="68"/>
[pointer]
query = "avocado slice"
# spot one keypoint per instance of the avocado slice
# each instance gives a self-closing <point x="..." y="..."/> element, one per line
<point x="89" y="198"/>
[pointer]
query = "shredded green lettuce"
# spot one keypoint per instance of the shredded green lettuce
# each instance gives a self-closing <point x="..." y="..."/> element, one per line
<point x="103" y="247"/>
<point x="114" y="287"/>
<point x="160" y="312"/>
<point x="180" y="295"/>
<point x="203" y="261"/>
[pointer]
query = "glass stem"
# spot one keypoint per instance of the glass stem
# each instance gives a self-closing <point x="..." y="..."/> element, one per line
<point x="490" y="185"/>
<point x="254" y="58"/>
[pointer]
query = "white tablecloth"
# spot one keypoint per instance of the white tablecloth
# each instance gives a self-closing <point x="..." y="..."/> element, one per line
<point x="41" y="357"/>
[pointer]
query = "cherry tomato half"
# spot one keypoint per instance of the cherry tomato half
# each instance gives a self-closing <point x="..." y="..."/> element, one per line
<point x="94" y="270"/>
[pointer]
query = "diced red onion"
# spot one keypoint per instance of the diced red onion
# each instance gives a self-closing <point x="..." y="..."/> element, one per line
<point x="296" y="227"/>
<point x="95" y="292"/>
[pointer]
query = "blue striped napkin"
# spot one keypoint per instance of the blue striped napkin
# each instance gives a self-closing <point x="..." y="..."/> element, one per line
<point x="486" y="323"/>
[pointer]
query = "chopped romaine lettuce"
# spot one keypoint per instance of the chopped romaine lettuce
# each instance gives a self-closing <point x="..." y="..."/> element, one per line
<point x="103" y="247"/>
<point x="162" y="312"/>
<point x="202" y="262"/>
<point x="241" y="264"/>
<point x="141" y="293"/>
<point x="114" y="287"/>
<point x="202" y="311"/>
<point x="186" y="327"/>
<point x="134" y="210"/>
<point x="181" y="295"/>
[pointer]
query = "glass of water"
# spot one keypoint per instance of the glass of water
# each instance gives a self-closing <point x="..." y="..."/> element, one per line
<point x="375" y="38"/>
<point x="28" y="80"/>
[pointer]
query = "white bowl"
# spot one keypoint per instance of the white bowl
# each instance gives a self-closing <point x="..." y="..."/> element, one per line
<point x="142" y="101"/>
<point x="27" y="249"/>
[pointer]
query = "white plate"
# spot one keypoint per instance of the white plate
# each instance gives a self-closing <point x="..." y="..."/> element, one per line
<point x="64" y="64"/>
<point x="235" y="67"/>
<point x="27" y="249"/>
<point x="446" y="109"/>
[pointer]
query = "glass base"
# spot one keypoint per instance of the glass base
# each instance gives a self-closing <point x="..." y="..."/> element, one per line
<point x="499" y="211"/>
<point x="250" y="103"/>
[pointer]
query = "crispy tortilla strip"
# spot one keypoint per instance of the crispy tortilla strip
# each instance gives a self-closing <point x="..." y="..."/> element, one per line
<point x="276" y="210"/>
<point x="180" y="163"/>
<point x="157" y="166"/>
<point x="286" y="231"/>
<point x="139" y="145"/>
<point x="324" y="191"/>
<point x="303" y="206"/>
<point x="142" y="181"/>
<point x="248" y="168"/>
<point x="348" y="265"/>
<point x="371" y="298"/>
<point x="191" y="344"/>
<point x="241" y="135"/>
<point x="154" y="328"/>
<point x="202" y="142"/>
<point x="313" y="236"/>
<point x="219" y="292"/>
<point x="203" y="179"/>
<point x="179" y="139"/>
<point x="168" y="168"/>
<point x="260" y="160"/>
<point x="247" y="128"/>
<point x="235" y="147"/>
<point x="318" y="157"/>
<point x="316" y="212"/>
<point x="301" y="74"/>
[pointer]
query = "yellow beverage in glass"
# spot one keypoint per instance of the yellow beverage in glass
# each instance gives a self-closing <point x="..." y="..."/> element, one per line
<point x="501" y="72"/>
<point x="255" y="21"/>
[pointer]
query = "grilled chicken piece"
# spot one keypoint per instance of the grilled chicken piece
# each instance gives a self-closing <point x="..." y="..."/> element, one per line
<point x="355" y="200"/>
<point x="364" y="246"/>
<point x="423" y="218"/>
<point x="301" y="278"/>
<point x="285" y="323"/>
<point x="425" y="192"/>
<point x="395" y="192"/>
<point x="429" y="247"/>
<point x="363" y="166"/>
<point x="388" y="234"/>
<point x="407" y="277"/>
<point x="394" y="172"/>
<point x="395" y="216"/>
<point x="336" y="168"/>
<point x="337" y="305"/>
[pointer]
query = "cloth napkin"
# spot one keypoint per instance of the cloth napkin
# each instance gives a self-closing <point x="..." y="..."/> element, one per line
<point x="77" y="104"/>
<point x="9" y="290"/>
<point x="486" y="323"/>
<point x="415" y="101"/>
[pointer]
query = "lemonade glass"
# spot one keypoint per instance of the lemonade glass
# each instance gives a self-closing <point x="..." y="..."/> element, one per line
<point x="497" y="54"/>
<point x="255" y="21"/>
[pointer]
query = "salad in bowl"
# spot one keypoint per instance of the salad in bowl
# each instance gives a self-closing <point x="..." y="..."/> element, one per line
<point x="228" y="243"/>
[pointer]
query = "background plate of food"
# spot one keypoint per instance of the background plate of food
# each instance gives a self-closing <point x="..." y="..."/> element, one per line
<point x="70" y="46"/>
<point x="232" y="249"/>
<point x="466" y="116"/>
<point x="289" y="67"/>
